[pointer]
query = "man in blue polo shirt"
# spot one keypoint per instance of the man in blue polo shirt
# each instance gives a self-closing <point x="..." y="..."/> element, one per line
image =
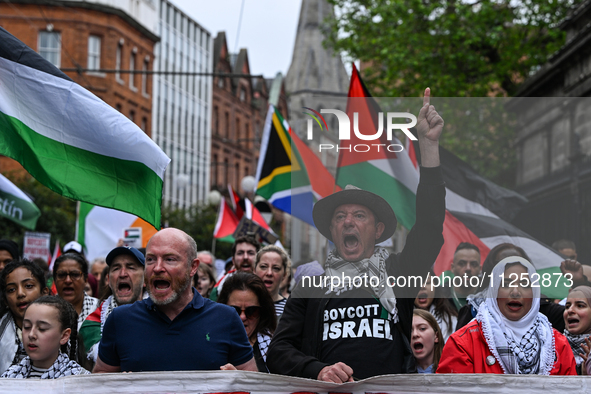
<point x="175" y="329"/>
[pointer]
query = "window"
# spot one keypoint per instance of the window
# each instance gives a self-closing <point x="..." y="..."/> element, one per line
<point x="118" y="62"/>
<point x="227" y="119"/>
<point x="94" y="53"/>
<point x="131" y="68"/>
<point x="144" y="125"/>
<point x="132" y="115"/>
<point x="145" y="77"/>
<point x="242" y="95"/>
<point x="215" y="120"/>
<point x="50" y="47"/>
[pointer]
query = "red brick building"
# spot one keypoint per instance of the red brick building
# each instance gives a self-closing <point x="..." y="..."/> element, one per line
<point x="89" y="36"/>
<point x="239" y="109"/>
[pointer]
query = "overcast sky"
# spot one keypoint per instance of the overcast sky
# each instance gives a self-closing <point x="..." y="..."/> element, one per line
<point x="267" y="30"/>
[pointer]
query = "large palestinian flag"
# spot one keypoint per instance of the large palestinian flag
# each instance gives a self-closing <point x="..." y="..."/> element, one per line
<point x="73" y="142"/>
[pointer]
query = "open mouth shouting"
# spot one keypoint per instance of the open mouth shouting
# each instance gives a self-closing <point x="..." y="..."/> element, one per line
<point x="160" y="286"/>
<point x="124" y="289"/>
<point x="417" y="348"/>
<point x="572" y="322"/>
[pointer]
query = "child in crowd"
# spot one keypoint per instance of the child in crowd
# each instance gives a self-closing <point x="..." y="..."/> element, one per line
<point x="48" y="324"/>
<point x="204" y="280"/>
<point x="436" y="301"/>
<point x="577" y="320"/>
<point x="426" y="341"/>
<point x="509" y="334"/>
<point x="21" y="283"/>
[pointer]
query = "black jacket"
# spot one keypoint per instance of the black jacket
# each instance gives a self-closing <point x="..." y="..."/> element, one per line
<point x="297" y="342"/>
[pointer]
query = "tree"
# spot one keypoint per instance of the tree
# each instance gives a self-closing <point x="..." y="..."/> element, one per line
<point x="458" y="48"/>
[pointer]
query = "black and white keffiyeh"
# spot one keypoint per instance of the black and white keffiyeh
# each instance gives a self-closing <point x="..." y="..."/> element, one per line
<point x="107" y="307"/>
<point x="89" y="305"/>
<point x="264" y="340"/>
<point x="374" y="266"/>
<point x="576" y="343"/>
<point x="525" y="346"/>
<point x="62" y="366"/>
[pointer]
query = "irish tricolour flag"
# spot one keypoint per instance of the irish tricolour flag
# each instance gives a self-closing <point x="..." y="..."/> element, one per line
<point x="72" y="141"/>
<point x="99" y="230"/>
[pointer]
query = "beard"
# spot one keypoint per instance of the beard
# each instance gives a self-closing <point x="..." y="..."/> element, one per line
<point x="178" y="287"/>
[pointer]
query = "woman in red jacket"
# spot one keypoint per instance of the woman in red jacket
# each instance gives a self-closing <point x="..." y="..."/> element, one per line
<point x="509" y="335"/>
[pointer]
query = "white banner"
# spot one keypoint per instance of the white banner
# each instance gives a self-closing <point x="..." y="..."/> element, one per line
<point x="259" y="383"/>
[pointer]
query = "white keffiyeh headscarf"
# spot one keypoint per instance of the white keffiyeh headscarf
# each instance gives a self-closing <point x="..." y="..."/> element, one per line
<point x="525" y="346"/>
<point x="374" y="266"/>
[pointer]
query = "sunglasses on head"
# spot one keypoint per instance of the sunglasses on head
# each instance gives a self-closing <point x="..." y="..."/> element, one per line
<point x="250" y="311"/>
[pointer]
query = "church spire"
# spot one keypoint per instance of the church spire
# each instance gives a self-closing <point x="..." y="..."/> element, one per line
<point x="313" y="67"/>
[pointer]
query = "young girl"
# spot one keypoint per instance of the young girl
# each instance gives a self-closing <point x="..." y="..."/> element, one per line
<point x="438" y="304"/>
<point x="49" y="323"/>
<point x="21" y="283"/>
<point x="204" y="280"/>
<point x="426" y="341"/>
<point x="577" y="319"/>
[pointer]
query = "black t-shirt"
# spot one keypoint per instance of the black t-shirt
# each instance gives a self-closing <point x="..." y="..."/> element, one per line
<point x="359" y="333"/>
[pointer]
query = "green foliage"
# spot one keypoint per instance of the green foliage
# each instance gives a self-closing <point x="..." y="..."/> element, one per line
<point x="458" y="49"/>
<point x="58" y="214"/>
<point x="198" y="221"/>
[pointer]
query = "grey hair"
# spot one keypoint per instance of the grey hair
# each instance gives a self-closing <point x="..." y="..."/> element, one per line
<point x="207" y="252"/>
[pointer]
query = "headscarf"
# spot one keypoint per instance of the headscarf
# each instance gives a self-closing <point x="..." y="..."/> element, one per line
<point x="577" y="341"/>
<point x="525" y="346"/>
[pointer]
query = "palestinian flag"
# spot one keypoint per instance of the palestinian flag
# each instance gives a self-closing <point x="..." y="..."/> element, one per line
<point x="99" y="229"/>
<point x="289" y="175"/>
<point x="478" y="211"/>
<point x="384" y="172"/>
<point x="73" y="142"/>
<point x="226" y="223"/>
<point x="16" y="206"/>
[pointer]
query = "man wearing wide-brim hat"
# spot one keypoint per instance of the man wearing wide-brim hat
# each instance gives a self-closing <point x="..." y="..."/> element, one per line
<point x="348" y="332"/>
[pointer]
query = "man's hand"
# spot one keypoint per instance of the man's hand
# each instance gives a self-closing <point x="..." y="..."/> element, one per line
<point x="573" y="267"/>
<point x="429" y="128"/>
<point x="336" y="373"/>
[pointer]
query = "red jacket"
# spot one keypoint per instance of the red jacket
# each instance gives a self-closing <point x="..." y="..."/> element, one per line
<point x="466" y="351"/>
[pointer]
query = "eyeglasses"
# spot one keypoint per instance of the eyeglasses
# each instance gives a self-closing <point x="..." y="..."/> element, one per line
<point x="74" y="275"/>
<point x="250" y="311"/>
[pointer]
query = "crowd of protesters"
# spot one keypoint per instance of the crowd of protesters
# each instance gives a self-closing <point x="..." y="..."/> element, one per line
<point x="164" y="309"/>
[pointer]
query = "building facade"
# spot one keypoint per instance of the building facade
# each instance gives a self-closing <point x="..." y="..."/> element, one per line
<point x="98" y="35"/>
<point x="554" y="141"/>
<point x="240" y="104"/>
<point x="182" y="105"/>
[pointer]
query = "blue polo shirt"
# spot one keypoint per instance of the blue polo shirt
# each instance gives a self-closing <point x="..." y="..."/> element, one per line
<point x="204" y="336"/>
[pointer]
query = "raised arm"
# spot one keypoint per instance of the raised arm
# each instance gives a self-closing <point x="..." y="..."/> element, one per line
<point x="429" y="128"/>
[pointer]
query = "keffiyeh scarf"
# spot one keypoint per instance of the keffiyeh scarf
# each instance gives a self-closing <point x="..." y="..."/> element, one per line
<point x="374" y="266"/>
<point x="89" y="305"/>
<point x="576" y="343"/>
<point x="62" y="366"/>
<point x="263" y="340"/>
<point x="108" y="306"/>
<point x="525" y="346"/>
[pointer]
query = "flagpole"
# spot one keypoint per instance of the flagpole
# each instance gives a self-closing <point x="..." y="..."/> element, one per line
<point x="77" y="221"/>
<point x="213" y="247"/>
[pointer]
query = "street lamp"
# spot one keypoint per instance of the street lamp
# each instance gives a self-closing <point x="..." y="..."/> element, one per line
<point x="248" y="184"/>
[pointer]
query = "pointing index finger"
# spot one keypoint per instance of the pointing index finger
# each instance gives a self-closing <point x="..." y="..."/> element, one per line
<point x="427" y="97"/>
